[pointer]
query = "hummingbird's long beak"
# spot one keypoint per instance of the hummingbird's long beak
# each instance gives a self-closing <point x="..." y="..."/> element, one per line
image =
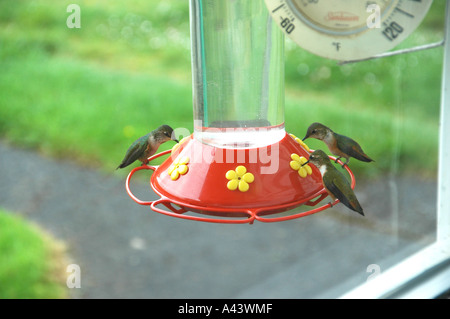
<point x="306" y="136"/>
<point x="305" y="163"/>
<point x="173" y="138"/>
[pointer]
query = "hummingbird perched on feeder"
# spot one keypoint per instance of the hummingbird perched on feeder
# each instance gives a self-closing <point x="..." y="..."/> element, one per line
<point x="334" y="182"/>
<point x="339" y="145"/>
<point x="147" y="145"/>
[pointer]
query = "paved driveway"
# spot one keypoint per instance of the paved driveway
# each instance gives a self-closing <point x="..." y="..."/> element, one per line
<point x="126" y="250"/>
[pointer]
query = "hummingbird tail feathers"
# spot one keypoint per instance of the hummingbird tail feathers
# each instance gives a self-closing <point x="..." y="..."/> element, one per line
<point x="355" y="206"/>
<point x="123" y="164"/>
<point x="364" y="158"/>
<point x="359" y="210"/>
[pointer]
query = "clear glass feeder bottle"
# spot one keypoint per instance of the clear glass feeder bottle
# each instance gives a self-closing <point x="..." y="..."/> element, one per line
<point x="238" y="74"/>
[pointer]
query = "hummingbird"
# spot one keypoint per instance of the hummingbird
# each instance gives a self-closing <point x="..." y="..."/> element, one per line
<point x="334" y="182"/>
<point x="147" y="145"/>
<point x="339" y="145"/>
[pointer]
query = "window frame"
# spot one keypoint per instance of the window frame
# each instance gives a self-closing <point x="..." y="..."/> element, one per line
<point x="425" y="274"/>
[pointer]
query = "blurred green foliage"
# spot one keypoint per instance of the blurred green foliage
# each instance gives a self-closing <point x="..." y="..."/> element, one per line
<point x="87" y="93"/>
<point x="32" y="263"/>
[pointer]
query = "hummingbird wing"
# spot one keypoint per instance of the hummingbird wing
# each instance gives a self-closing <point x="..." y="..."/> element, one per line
<point x="134" y="152"/>
<point x="352" y="148"/>
<point x="341" y="189"/>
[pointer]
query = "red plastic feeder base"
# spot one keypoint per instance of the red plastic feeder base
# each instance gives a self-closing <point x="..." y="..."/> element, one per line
<point x="235" y="185"/>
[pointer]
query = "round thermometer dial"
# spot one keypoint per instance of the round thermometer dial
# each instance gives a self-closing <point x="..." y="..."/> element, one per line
<point x="348" y="29"/>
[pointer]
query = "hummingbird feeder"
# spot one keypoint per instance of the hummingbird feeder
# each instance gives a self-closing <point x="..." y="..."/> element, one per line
<point x="239" y="165"/>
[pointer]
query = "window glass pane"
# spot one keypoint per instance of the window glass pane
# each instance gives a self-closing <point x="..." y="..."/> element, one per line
<point x="391" y="107"/>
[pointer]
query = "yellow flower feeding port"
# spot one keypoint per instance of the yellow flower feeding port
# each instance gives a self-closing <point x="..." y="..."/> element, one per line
<point x="178" y="167"/>
<point x="239" y="179"/>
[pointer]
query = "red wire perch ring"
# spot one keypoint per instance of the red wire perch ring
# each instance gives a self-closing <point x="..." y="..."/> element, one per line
<point x="134" y="170"/>
<point x="178" y="212"/>
<point x="322" y="196"/>
<point x="251" y="214"/>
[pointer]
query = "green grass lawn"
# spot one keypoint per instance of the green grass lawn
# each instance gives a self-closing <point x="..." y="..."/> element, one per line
<point x="32" y="263"/>
<point x="85" y="94"/>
